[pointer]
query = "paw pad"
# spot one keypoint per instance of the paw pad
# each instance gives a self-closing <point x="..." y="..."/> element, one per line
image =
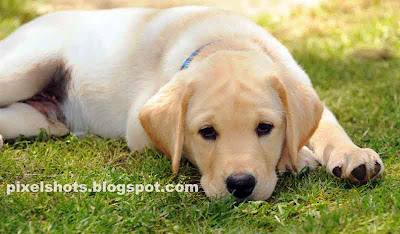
<point x="377" y="169"/>
<point x="359" y="172"/>
<point x="337" y="171"/>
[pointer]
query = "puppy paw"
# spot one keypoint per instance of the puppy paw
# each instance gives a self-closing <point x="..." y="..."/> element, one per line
<point x="356" y="164"/>
<point x="1" y="141"/>
<point x="306" y="159"/>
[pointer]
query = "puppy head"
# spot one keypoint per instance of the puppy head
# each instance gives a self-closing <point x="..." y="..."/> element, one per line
<point x="234" y="115"/>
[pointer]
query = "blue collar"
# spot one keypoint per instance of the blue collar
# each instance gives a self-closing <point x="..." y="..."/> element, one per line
<point x="190" y="58"/>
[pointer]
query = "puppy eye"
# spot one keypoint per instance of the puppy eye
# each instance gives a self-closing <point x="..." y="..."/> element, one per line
<point x="208" y="133"/>
<point x="264" y="129"/>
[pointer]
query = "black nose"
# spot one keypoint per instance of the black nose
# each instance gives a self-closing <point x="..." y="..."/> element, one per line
<point x="241" y="185"/>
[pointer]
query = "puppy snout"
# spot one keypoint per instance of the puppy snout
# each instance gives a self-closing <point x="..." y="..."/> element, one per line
<point x="241" y="185"/>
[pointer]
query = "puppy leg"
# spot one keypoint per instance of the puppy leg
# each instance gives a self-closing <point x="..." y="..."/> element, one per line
<point x="28" y="58"/>
<point x="341" y="157"/>
<point x="22" y="119"/>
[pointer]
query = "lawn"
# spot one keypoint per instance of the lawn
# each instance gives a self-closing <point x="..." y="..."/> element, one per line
<point x="351" y="51"/>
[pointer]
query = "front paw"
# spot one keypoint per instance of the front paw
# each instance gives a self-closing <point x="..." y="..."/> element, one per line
<point x="306" y="159"/>
<point x="1" y="141"/>
<point x="354" y="163"/>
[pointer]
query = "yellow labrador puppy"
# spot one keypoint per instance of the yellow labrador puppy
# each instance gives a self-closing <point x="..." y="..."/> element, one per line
<point x="197" y="81"/>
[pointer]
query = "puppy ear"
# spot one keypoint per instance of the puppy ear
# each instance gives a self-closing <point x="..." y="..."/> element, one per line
<point x="303" y="113"/>
<point x="163" y="118"/>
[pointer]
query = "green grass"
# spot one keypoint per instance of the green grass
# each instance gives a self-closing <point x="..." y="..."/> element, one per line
<point x="363" y="91"/>
<point x="14" y="13"/>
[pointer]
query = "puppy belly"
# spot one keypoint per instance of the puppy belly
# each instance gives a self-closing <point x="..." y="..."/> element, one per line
<point x="49" y="100"/>
<point x="47" y="104"/>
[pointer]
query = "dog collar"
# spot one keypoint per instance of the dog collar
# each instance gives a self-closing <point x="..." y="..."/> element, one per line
<point x="192" y="55"/>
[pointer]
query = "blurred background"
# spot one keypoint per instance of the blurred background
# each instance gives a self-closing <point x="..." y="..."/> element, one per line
<point x="249" y="7"/>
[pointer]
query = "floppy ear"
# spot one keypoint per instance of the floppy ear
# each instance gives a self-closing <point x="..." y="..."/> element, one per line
<point x="303" y="113"/>
<point x="163" y="117"/>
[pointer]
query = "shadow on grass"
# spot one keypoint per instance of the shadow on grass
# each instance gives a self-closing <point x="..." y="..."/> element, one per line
<point x="331" y="73"/>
